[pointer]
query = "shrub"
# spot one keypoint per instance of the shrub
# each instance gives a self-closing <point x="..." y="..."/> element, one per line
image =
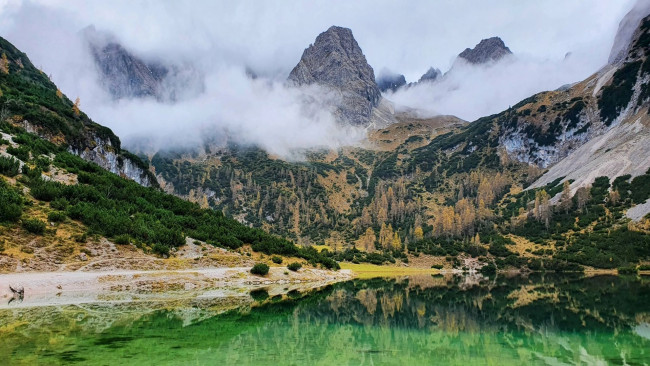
<point x="56" y="216"/>
<point x="259" y="294"/>
<point x="295" y="266"/>
<point x="437" y="266"/>
<point x="488" y="269"/>
<point x="9" y="166"/>
<point x="276" y="259"/>
<point x="644" y="267"/>
<point x="122" y="239"/>
<point x="34" y="226"/>
<point x="627" y="270"/>
<point x="260" y="269"/>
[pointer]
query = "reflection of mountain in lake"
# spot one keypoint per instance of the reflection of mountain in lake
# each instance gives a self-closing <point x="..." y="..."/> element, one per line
<point x="515" y="320"/>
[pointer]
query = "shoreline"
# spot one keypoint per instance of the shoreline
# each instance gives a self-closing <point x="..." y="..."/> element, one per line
<point x="65" y="288"/>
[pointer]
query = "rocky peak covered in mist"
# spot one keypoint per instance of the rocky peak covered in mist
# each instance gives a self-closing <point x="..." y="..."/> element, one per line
<point x="388" y="80"/>
<point x="336" y="61"/>
<point x="125" y="75"/>
<point x="488" y="50"/>
<point x="626" y="29"/>
<point x="432" y="74"/>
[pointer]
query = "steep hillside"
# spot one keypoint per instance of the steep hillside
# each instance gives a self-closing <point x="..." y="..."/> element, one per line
<point x="32" y="102"/>
<point x="58" y="211"/>
<point x="460" y="192"/>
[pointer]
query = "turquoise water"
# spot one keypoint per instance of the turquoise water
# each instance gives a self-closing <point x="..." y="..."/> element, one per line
<point x="419" y="320"/>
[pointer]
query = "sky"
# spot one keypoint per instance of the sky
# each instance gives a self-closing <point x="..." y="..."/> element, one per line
<point x="223" y="38"/>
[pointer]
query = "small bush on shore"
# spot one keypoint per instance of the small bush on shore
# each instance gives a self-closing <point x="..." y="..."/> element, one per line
<point x="295" y="266"/>
<point x="276" y="259"/>
<point x="260" y="269"/>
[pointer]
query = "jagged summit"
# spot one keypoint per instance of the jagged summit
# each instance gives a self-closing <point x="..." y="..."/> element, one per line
<point x="388" y="80"/>
<point x="336" y="61"/>
<point x="123" y="74"/>
<point x="488" y="50"/>
<point x="432" y="74"/>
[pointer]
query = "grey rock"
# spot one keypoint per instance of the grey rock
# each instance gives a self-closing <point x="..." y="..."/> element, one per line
<point x="83" y="256"/>
<point x="387" y="80"/>
<point x="626" y="29"/>
<point x="123" y="74"/>
<point x="431" y="75"/>
<point x="336" y="61"/>
<point x="488" y="50"/>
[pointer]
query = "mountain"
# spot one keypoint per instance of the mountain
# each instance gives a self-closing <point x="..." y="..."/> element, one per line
<point x="626" y="30"/>
<point x="388" y="80"/>
<point x="65" y="202"/>
<point x="432" y="74"/>
<point x="528" y="187"/>
<point x="125" y="75"/>
<point x="488" y="50"/>
<point x="32" y="102"/>
<point x="335" y="61"/>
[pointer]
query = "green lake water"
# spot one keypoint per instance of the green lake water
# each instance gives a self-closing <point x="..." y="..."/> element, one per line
<point x="424" y="320"/>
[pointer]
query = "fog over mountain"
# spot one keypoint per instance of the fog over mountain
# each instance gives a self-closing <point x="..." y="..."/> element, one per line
<point x="226" y="41"/>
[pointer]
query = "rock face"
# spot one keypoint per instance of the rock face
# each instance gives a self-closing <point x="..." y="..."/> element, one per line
<point x="488" y="50"/>
<point x="626" y="29"/>
<point x="387" y="80"/>
<point x="121" y="73"/>
<point x="336" y="61"/>
<point x="431" y="75"/>
<point x="124" y="75"/>
<point x="598" y="127"/>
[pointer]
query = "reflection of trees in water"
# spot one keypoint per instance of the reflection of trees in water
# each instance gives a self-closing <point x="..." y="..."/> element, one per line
<point x="562" y="319"/>
<point x="558" y="319"/>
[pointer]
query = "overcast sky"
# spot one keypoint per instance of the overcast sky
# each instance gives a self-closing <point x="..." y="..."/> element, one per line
<point x="223" y="38"/>
<point x="404" y="36"/>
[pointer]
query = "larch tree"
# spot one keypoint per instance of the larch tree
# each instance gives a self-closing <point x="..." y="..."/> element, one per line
<point x="75" y="107"/>
<point x="4" y="64"/>
<point x="397" y="243"/>
<point x="418" y="233"/>
<point x="565" y="198"/>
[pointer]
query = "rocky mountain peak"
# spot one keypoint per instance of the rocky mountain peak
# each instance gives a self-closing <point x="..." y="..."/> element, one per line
<point x="488" y="50"/>
<point x="388" y="80"/>
<point x="123" y="74"/>
<point x="432" y="74"/>
<point x="626" y="29"/>
<point x="336" y="61"/>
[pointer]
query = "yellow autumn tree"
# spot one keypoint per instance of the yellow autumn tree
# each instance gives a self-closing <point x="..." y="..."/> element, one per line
<point x="4" y="64"/>
<point x="418" y="233"/>
<point x="369" y="239"/>
<point x="59" y="94"/>
<point x="396" y="243"/>
<point x="75" y="107"/>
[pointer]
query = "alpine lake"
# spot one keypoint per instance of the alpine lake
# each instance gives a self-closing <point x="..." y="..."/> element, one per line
<point x="416" y="320"/>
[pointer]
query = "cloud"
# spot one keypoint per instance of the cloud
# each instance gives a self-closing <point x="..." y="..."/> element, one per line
<point x="221" y="39"/>
<point x="471" y="92"/>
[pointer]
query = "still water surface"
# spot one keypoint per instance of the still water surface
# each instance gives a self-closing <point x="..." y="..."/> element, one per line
<point x="538" y="320"/>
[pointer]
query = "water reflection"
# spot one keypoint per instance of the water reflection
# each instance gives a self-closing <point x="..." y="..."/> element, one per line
<point x="431" y="320"/>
